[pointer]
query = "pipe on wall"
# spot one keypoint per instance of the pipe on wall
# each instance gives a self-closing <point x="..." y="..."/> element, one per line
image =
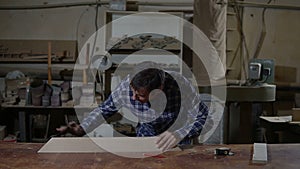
<point x="262" y="5"/>
<point x="76" y="4"/>
<point x="47" y="6"/>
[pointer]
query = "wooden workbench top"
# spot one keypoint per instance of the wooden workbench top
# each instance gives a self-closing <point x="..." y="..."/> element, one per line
<point x="24" y="155"/>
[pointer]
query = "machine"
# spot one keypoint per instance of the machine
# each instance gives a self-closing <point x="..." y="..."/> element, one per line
<point x="261" y="71"/>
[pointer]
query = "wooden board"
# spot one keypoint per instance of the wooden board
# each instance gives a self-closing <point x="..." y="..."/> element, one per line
<point x="124" y="146"/>
<point x="277" y="119"/>
<point x="260" y="154"/>
<point x="70" y="145"/>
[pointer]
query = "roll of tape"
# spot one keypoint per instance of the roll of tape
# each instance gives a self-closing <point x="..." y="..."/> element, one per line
<point x="222" y="151"/>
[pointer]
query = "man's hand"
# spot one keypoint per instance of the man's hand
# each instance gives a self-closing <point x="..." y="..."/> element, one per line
<point x="167" y="140"/>
<point x="72" y="128"/>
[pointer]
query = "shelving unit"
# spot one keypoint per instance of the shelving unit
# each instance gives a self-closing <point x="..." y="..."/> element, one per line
<point x="144" y="36"/>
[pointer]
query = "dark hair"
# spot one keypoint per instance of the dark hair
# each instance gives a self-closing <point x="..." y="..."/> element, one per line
<point x="150" y="79"/>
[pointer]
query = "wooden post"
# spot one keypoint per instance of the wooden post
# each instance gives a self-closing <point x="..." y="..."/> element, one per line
<point x="87" y="58"/>
<point x="49" y="63"/>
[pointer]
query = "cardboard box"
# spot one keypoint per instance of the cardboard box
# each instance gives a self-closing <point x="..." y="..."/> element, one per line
<point x="281" y="73"/>
<point x="296" y="114"/>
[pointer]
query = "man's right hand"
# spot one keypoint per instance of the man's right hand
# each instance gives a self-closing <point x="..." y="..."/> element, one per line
<point x="72" y="128"/>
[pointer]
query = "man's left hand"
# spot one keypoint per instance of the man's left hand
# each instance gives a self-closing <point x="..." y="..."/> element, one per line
<point x="167" y="140"/>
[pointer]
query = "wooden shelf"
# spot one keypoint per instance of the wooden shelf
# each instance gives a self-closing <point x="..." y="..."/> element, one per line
<point x="145" y="51"/>
<point x="36" y="51"/>
<point x="136" y="44"/>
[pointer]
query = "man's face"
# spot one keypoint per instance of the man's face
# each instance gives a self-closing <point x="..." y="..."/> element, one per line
<point x="141" y="95"/>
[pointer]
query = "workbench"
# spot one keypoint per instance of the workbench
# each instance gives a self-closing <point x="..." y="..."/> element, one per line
<point x="24" y="155"/>
<point x="25" y="113"/>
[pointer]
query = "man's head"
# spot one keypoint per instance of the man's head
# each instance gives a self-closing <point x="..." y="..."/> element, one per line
<point x="146" y="81"/>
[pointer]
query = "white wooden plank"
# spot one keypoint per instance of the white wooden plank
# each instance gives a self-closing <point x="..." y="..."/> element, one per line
<point x="125" y="146"/>
<point x="260" y="153"/>
<point x="70" y="145"/>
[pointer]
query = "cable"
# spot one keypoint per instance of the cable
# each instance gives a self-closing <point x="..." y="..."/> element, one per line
<point x="96" y="17"/>
<point x="78" y="23"/>
<point x="96" y="27"/>
<point x="262" y="34"/>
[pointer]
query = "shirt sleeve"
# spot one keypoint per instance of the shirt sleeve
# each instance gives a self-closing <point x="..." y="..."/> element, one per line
<point x="195" y="121"/>
<point x="193" y="112"/>
<point x="107" y="108"/>
<point x="98" y="115"/>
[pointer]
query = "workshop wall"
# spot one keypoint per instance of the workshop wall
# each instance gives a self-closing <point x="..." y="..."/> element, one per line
<point x="73" y="23"/>
<point x="281" y="41"/>
<point x="78" y="23"/>
<point x="70" y="23"/>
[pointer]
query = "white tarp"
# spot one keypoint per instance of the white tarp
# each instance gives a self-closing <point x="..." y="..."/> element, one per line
<point x="210" y="18"/>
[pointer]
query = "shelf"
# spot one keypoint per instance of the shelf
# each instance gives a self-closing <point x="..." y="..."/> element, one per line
<point x="136" y="35"/>
<point x="4" y="105"/>
<point x="151" y="51"/>
<point x="135" y="44"/>
<point x="36" y="51"/>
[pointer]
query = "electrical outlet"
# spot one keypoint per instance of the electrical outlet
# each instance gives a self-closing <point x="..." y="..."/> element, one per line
<point x="254" y="71"/>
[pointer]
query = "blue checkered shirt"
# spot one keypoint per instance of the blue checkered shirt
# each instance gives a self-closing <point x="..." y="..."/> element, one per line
<point x="183" y="113"/>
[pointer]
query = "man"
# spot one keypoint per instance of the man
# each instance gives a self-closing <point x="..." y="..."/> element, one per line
<point x="165" y="103"/>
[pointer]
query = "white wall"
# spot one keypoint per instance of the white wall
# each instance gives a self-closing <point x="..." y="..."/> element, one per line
<point x="77" y="23"/>
<point x="68" y="23"/>
<point x="74" y="23"/>
<point x="282" y="33"/>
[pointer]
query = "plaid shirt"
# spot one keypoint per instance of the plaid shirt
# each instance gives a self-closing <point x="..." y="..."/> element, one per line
<point x="183" y="113"/>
